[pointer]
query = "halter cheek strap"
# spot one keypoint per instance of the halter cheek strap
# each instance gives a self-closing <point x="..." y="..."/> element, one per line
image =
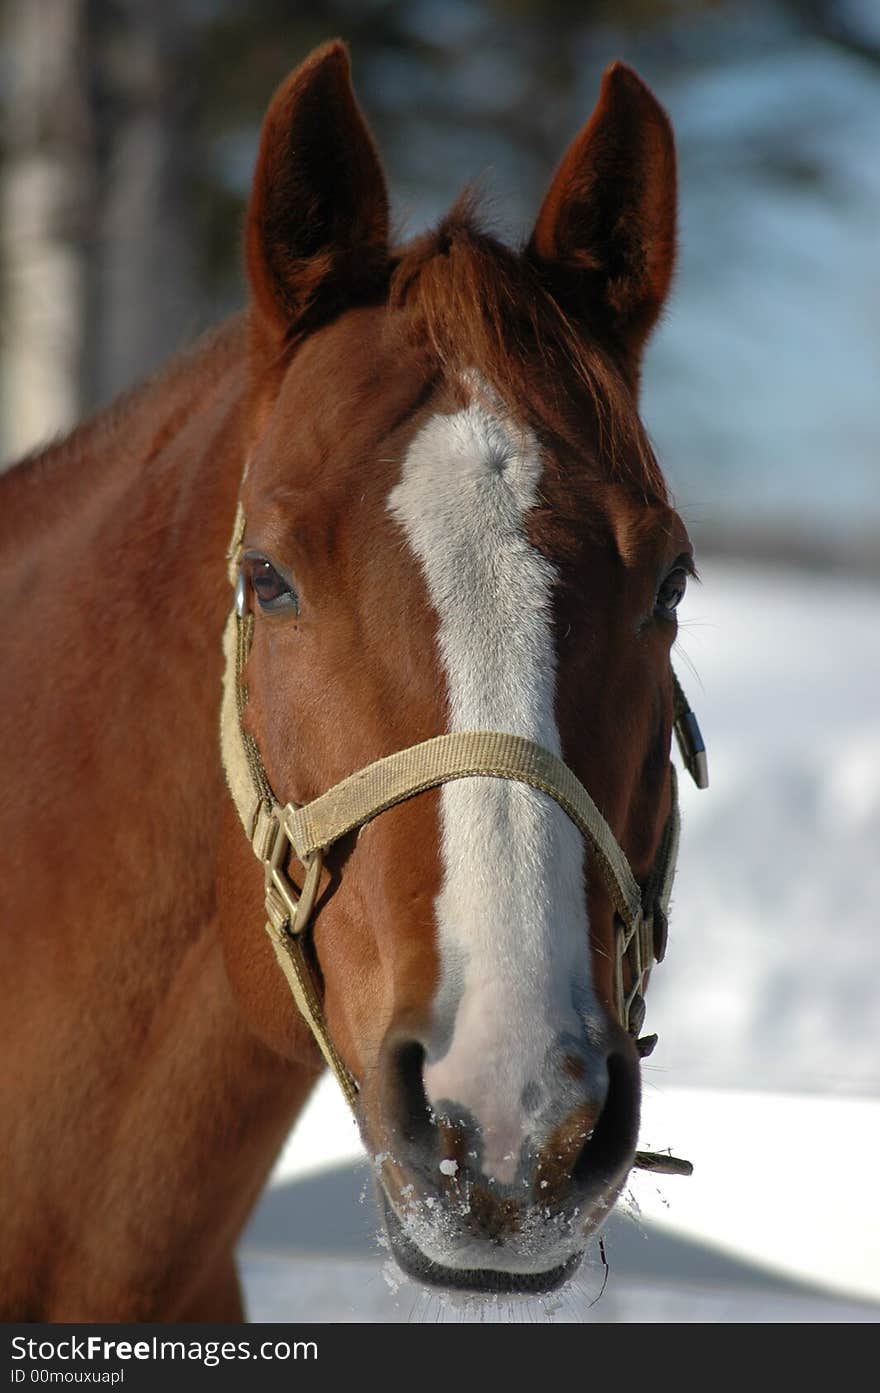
<point x="275" y="831"/>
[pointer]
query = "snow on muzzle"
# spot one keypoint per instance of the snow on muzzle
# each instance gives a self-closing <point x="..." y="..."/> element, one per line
<point x="481" y="1199"/>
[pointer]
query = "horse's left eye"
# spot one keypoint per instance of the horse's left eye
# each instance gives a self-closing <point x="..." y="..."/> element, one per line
<point x="671" y="592"/>
<point x="273" y="591"/>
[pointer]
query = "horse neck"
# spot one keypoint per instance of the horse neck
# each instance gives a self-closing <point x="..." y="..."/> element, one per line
<point x="135" y="1076"/>
<point x="114" y="551"/>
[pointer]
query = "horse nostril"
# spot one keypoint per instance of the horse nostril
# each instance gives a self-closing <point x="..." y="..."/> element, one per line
<point x="407" y="1107"/>
<point x="610" y="1147"/>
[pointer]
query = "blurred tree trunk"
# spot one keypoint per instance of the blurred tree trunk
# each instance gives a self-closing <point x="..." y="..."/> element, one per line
<point x="47" y="189"/>
<point x="145" y="291"/>
<point x="97" y="205"/>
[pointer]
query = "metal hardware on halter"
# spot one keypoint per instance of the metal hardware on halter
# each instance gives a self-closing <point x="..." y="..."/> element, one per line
<point x="689" y="738"/>
<point x="662" y="1164"/>
<point x="274" y="855"/>
<point x="241" y="593"/>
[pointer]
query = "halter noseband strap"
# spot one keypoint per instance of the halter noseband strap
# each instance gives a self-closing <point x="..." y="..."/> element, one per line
<point x="275" y="831"/>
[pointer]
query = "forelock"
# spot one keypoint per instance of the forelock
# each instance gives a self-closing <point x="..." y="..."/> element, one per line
<point x="483" y="309"/>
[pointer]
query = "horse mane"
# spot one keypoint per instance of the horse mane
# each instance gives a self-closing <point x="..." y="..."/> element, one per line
<point x="484" y="308"/>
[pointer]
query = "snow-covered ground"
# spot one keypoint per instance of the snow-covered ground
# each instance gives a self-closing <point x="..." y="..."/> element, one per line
<point x="771" y="977"/>
<point x="767" y="1075"/>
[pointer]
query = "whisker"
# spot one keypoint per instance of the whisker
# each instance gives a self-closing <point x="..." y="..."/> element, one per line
<point x="605" y="1277"/>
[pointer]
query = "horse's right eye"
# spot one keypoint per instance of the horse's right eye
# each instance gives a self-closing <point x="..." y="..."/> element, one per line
<point x="273" y="590"/>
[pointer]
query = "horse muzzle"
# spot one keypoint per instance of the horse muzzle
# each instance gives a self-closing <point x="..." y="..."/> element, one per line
<point x="454" y="1217"/>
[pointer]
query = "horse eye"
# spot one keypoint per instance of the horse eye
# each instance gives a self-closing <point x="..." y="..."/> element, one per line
<point x="671" y="592"/>
<point x="272" y="590"/>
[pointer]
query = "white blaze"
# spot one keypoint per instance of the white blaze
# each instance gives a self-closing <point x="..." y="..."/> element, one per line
<point x="511" y="914"/>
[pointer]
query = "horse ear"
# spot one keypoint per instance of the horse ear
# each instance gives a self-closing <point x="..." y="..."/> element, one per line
<point x="317" y="220"/>
<point x="605" y="235"/>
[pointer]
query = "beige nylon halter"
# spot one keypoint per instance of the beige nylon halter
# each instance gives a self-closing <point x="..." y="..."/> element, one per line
<point x="275" y="831"/>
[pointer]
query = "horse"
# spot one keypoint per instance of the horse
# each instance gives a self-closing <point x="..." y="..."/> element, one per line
<point x="443" y="685"/>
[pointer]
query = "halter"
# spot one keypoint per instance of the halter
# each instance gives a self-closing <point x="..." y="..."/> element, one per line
<point x="276" y="831"/>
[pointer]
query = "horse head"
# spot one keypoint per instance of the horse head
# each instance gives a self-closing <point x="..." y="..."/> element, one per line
<point x="452" y="521"/>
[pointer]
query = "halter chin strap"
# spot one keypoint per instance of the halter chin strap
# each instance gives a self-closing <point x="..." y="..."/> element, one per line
<point x="276" y="831"/>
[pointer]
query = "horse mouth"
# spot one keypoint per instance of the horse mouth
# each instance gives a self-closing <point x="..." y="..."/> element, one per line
<point x="486" y="1280"/>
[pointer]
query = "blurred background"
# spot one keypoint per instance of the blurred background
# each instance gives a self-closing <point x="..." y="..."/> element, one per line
<point x="129" y="130"/>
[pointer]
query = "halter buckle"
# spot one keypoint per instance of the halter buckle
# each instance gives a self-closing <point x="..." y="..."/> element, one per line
<point x="631" y="949"/>
<point x="274" y="853"/>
